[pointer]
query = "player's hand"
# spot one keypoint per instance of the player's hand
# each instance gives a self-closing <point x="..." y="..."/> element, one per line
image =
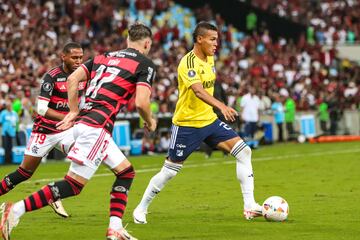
<point x="150" y="126"/>
<point x="68" y="121"/>
<point x="229" y="113"/>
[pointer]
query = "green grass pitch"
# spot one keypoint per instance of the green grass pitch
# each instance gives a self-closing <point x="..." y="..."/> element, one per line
<point x="321" y="183"/>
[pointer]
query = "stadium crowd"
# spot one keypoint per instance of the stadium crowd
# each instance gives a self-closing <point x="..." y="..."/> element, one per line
<point x="32" y="33"/>
<point x="328" y="21"/>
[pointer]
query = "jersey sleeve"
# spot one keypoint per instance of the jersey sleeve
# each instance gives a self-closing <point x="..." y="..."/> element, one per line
<point x="146" y="74"/>
<point x="187" y="74"/>
<point x="47" y="86"/>
<point x="87" y="66"/>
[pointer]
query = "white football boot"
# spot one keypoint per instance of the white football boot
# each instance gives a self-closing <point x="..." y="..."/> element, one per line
<point x="8" y="221"/>
<point x="118" y="235"/>
<point x="254" y="211"/>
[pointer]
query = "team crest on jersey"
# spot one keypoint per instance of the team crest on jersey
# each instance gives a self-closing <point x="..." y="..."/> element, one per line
<point x="35" y="149"/>
<point x="191" y="73"/>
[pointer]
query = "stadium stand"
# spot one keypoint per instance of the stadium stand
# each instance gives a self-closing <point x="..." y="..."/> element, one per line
<point x="31" y="33"/>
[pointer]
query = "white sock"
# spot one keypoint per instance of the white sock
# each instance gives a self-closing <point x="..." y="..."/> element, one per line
<point x="244" y="171"/>
<point x="19" y="209"/>
<point x="157" y="182"/>
<point x="115" y="223"/>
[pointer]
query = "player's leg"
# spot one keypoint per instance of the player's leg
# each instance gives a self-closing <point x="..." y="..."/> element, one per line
<point x="224" y="138"/>
<point x="23" y="173"/>
<point x="124" y="175"/>
<point x="183" y="142"/>
<point x="82" y="168"/>
<point x="38" y="146"/>
<point x="71" y="185"/>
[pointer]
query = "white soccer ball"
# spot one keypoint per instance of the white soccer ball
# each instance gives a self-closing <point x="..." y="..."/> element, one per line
<point x="275" y="208"/>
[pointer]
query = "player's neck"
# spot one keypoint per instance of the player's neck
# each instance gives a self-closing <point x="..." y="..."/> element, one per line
<point x="136" y="47"/>
<point x="200" y="54"/>
<point x="65" y="69"/>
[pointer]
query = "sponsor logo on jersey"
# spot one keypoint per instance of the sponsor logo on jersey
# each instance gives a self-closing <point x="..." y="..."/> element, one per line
<point x="61" y="86"/>
<point x="63" y="79"/>
<point x="62" y="104"/>
<point x="191" y="73"/>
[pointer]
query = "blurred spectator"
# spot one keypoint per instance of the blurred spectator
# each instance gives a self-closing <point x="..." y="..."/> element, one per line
<point x="164" y="141"/>
<point x="323" y="116"/>
<point x="279" y="116"/>
<point x="8" y="121"/>
<point x="250" y="104"/>
<point x="290" y="111"/>
<point x="148" y="146"/>
<point x="334" y="113"/>
<point x="251" y="21"/>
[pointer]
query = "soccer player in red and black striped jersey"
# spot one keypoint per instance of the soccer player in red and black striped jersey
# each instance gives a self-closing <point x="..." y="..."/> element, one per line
<point x="52" y="108"/>
<point x="113" y="79"/>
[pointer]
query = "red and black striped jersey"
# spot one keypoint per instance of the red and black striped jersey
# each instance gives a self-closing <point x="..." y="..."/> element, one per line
<point x="112" y="81"/>
<point x="54" y="90"/>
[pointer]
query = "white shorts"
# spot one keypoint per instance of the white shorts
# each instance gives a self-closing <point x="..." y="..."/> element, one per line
<point x="41" y="144"/>
<point x="92" y="147"/>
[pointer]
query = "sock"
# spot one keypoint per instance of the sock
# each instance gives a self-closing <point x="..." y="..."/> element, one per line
<point x="157" y="183"/>
<point x="53" y="192"/>
<point x="119" y="197"/>
<point x="19" y="209"/>
<point x="13" y="179"/>
<point x="244" y="171"/>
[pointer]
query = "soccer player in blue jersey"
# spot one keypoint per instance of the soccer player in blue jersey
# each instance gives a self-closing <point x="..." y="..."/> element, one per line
<point x="194" y="121"/>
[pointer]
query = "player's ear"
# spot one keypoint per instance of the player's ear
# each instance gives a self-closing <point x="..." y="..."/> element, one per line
<point x="147" y="44"/>
<point x="62" y="55"/>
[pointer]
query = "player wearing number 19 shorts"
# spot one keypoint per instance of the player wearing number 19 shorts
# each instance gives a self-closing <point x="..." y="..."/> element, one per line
<point x="113" y="78"/>
<point x="52" y="107"/>
<point x="194" y="122"/>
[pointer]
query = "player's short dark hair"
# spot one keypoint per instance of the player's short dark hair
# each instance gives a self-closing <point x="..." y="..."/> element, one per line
<point x="200" y="29"/>
<point x="139" y="31"/>
<point x="71" y="45"/>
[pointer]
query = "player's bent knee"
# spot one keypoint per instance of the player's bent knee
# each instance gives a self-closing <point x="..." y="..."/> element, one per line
<point x="170" y="169"/>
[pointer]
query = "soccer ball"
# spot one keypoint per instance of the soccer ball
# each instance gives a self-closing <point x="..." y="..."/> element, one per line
<point x="275" y="209"/>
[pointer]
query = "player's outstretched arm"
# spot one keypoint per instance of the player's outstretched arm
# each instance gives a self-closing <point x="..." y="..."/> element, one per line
<point x="228" y="112"/>
<point x="73" y="80"/>
<point x="142" y="103"/>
